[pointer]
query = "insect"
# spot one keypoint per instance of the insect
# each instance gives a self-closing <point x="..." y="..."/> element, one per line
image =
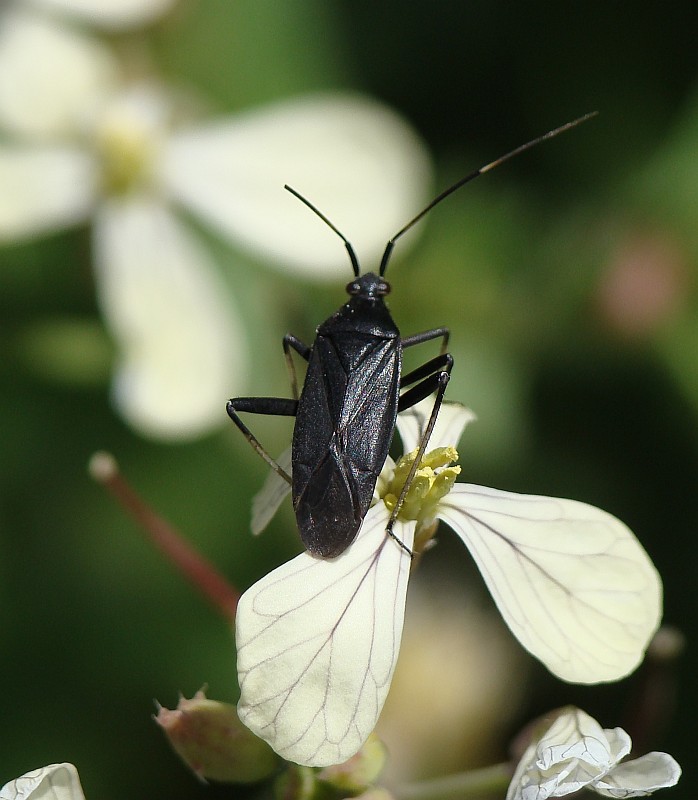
<point x="318" y="639"/>
<point x="352" y="394"/>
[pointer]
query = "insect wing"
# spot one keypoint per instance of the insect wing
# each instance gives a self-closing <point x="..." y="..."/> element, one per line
<point x="571" y="581"/>
<point x="452" y="419"/>
<point x="345" y="422"/>
<point x="317" y="645"/>
<point x="268" y="499"/>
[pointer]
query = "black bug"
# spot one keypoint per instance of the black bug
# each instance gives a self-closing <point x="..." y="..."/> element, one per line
<point x="345" y="415"/>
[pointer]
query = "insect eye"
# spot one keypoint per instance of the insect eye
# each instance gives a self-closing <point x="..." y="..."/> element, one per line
<point x="383" y="288"/>
<point x="353" y="288"/>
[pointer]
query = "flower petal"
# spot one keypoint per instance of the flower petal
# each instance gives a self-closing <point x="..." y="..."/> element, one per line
<point x="575" y="736"/>
<point x="109" y="14"/>
<point x="352" y="157"/>
<point x="317" y="645"/>
<point x="44" y="189"/>
<point x="570" y="754"/>
<point x="619" y="743"/>
<point x="182" y="349"/>
<point x="574" y="752"/>
<point x="268" y="499"/>
<point x="640" y="776"/>
<point x="55" y="782"/>
<point x="52" y="79"/>
<point x="572" y="582"/>
<point x="452" y="419"/>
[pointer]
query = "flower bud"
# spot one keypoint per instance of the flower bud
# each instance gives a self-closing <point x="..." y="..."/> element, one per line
<point x="360" y="771"/>
<point x="210" y="739"/>
<point x="375" y="793"/>
<point x="296" y="783"/>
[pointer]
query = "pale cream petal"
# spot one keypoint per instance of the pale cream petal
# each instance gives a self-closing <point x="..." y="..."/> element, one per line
<point x="109" y="14"/>
<point x="52" y="78"/>
<point x="182" y="350"/>
<point x="570" y="754"/>
<point x="318" y="640"/>
<point x="640" y="776"/>
<point x="449" y="427"/>
<point x="44" y="189"/>
<point x="357" y="161"/>
<point x="55" y="782"/>
<point x="572" y="582"/>
<point x="574" y="752"/>
<point x="574" y="737"/>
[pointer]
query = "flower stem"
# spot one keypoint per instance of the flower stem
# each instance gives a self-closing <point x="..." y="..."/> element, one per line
<point x="195" y="568"/>
<point x="464" y="785"/>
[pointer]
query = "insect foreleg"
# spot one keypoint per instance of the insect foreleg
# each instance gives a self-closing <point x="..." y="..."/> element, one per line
<point x="427" y="336"/>
<point x="275" y="406"/>
<point x="291" y="342"/>
<point x="428" y="371"/>
<point x="438" y="381"/>
<point x="428" y="378"/>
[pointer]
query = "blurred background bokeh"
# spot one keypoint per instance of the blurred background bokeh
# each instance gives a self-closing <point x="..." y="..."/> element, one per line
<point x="567" y="278"/>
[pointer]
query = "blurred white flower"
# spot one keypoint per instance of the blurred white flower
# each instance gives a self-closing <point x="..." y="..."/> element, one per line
<point x="111" y="15"/>
<point x="318" y="639"/>
<point x="55" y="782"/>
<point x="81" y="143"/>
<point x="575" y="752"/>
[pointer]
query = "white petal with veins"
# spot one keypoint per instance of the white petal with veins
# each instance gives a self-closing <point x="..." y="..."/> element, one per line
<point x="52" y="79"/>
<point x="317" y="643"/>
<point x="572" y="582"/>
<point x="575" y="752"/>
<point x="54" y="782"/>
<point x="353" y="158"/>
<point x="181" y="347"/>
<point x="449" y="427"/>
<point x="44" y="189"/>
<point x="640" y="776"/>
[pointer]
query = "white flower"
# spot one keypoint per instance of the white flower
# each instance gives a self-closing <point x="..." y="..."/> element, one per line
<point x="318" y="639"/>
<point x="55" y="782"/>
<point x="81" y="144"/>
<point x="574" y="752"/>
<point x="108" y="14"/>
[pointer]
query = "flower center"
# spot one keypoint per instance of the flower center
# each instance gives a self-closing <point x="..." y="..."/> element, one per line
<point x="432" y="481"/>
<point x="128" y="137"/>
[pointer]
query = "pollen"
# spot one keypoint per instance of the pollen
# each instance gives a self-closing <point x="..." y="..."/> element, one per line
<point x="432" y="481"/>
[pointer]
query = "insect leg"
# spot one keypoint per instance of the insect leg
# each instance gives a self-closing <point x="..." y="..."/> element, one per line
<point x="442" y="363"/>
<point x="292" y="342"/>
<point x="433" y="376"/>
<point x="427" y="336"/>
<point x="435" y="382"/>
<point x="276" y="406"/>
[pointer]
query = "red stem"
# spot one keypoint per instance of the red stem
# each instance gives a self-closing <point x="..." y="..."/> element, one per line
<point x="196" y="569"/>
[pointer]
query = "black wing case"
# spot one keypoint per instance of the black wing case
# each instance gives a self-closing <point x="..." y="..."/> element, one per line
<point x="345" y="422"/>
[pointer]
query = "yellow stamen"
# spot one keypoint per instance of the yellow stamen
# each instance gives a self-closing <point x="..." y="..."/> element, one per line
<point x="432" y="481"/>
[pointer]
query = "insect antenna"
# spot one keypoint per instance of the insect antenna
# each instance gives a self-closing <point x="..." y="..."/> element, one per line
<point x="471" y="176"/>
<point x="347" y="243"/>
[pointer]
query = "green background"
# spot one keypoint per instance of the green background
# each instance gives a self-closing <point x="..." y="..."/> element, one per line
<point x="94" y="625"/>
